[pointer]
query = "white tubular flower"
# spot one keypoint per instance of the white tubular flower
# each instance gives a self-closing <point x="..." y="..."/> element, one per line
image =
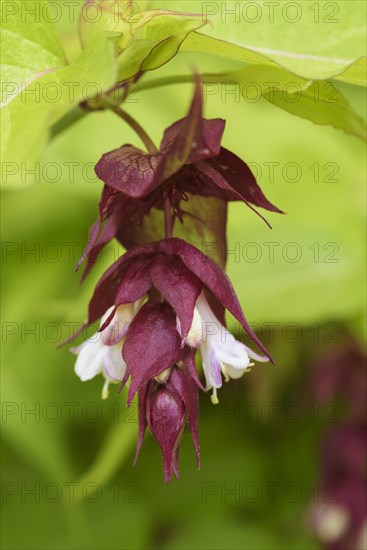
<point x="102" y="353"/>
<point x="221" y="353"/>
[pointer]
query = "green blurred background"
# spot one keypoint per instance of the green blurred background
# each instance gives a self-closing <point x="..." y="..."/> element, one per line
<point x="313" y="292"/>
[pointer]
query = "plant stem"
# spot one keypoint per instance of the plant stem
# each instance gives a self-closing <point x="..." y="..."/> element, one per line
<point x="166" y="81"/>
<point x="185" y="79"/>
<point x="136" y="127"/>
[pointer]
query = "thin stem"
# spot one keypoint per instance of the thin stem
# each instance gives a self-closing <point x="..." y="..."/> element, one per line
<point x="185" y="79"/>
<point x="166" y="81"/>
<point x="168" y="221"/>
<point x="136" y="127"/>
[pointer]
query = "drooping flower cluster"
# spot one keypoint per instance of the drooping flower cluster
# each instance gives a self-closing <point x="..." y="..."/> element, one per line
<point x="339" y="517"/>
<point x="164" y="300"/>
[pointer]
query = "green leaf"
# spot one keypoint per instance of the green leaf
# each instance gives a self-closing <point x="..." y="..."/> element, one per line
<point x="29" y="48"/>
<point x="323" y="104"/>
<point x="346" y="70"/>
<point x="168" y="31"/>
<point x="355" y="74"/>
<point x="132" y="59"/>
<point x="112" y="16"/>
<point x="320" y="102"/>
<point x="156" y="43"/>
<point x="26" y="119"/>
<point x="319" y="40"/>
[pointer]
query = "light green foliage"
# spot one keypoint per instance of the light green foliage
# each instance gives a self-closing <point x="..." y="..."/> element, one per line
<point x="40" y="87"/>
<point x="315" y="40"/>
<point x="155" y="44"/>
<point x="322" y="102"/>
<point x="29" y="47"/>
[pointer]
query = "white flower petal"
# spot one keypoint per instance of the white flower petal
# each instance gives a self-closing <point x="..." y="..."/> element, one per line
<point x="119" y="325"/>
<point x="114" y="365"/>
<point x="90" y="360"/>
<point x="204" y="308"/>
<point x="211" y="367"/>
<point x="234" y="372"/>
<point x="195" y="335"/>
<point x="253" y="355"/>
<point x="234" y="355"/>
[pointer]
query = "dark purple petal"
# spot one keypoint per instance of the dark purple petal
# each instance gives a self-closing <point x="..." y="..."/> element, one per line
<point x="166" y="421"/>
<point x="135" y="283"/>
<point x="115" y="212"/>
<point x="217" y="186"/>
<point x="121" y="272"/>
<point x="217" y="307"/>
<point x="240" y="179"/>
<point x="214" y="278"/>
<point x="179" y="287"/>
<point x="129" y="170"/>
<point x="190" y="139"/>
<point x="143" y="404"/>
<point x="190" y="364"/>
<point x="187" y="390"/>
<point x="107" y="200"/>
<point x="203" y="142"/>
<point x="152" y="345"/>
<point x="94" y="231"/>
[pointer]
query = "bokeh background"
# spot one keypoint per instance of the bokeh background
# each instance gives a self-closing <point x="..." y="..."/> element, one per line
<point x="275" y="474"/>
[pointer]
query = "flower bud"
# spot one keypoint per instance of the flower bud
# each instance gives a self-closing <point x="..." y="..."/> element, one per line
<point x="166" y="419"/>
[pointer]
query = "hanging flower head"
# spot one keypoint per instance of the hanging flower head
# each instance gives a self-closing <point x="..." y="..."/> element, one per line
<point x="179" y="294"/>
